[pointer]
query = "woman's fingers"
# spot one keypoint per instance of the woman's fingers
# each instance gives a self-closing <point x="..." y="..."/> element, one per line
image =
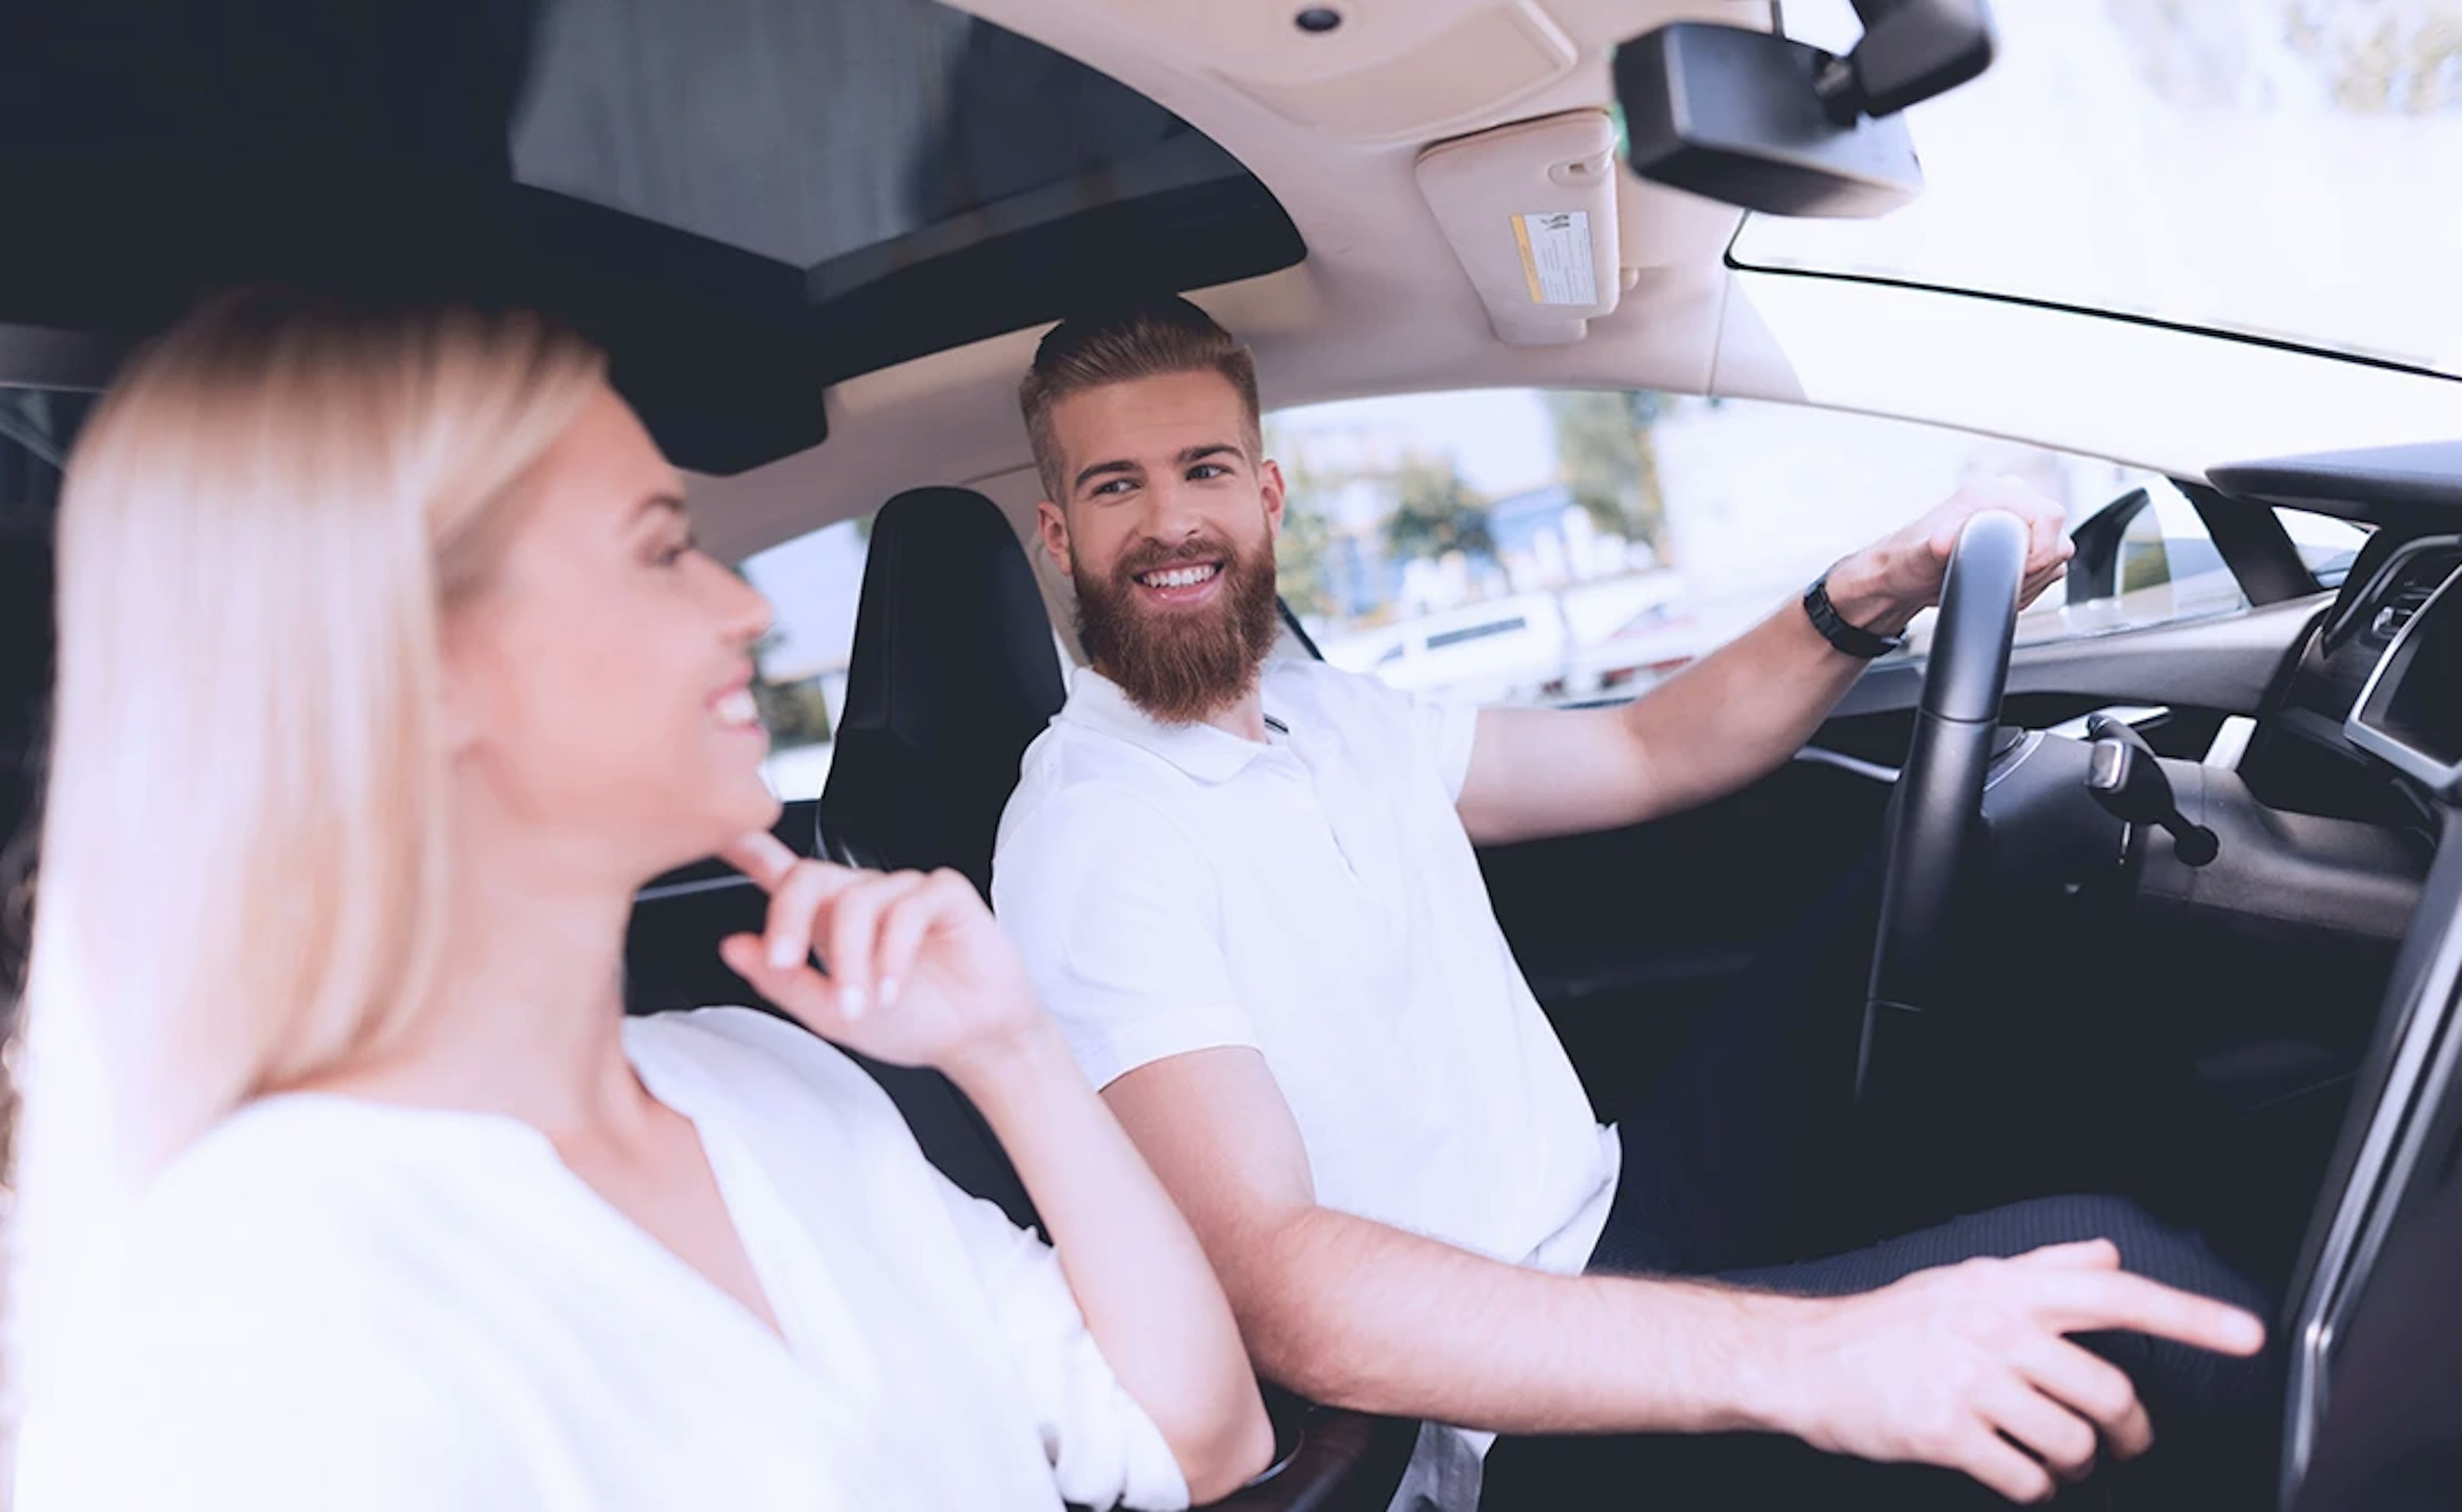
<point x="816" y="905"/>
<point x="910" y="920"/>
<point x="795" y="904"/>
<point x="761" y="856"/>
<point x="870" y="928"/>
<point x="852" y="929"/>
<point x="800" y="990"/>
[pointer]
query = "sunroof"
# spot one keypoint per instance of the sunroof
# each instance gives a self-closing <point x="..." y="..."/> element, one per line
<point x="744" y="200"/>
<point x="849" y="137"/>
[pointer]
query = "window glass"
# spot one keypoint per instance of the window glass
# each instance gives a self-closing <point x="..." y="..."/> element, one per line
<point x="850" y="138"/>
<point x="1521" y="546"/>
<point x="2329" y="546"/>
<point x="813" y="583"/>
<point x="36" y="427"/>
<point x="2244" y="166"/>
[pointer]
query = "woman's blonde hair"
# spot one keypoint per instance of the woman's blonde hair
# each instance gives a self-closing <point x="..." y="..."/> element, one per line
<point x="242" y="858"/>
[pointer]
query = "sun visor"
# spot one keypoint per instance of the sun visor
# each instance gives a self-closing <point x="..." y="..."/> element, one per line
<point x="1530" y="211"/>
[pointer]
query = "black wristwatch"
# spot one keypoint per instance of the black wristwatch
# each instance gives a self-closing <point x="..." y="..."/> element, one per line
<point x="1853" y="639"/>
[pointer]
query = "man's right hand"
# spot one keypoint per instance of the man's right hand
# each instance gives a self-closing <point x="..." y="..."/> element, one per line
<point x="1940" y="1365"/>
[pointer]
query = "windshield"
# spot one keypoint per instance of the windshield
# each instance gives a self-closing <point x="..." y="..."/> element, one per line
<point x="2275" y="168"/>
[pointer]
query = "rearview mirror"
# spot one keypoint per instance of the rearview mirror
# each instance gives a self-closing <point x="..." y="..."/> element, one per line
<point x="1780" y="127"/>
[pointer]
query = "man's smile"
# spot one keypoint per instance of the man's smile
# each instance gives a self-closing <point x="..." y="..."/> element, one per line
<point x="1180" y="582"/>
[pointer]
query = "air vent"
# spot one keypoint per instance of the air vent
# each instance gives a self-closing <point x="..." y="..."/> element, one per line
<point x="2404" y="588"/>
<point x="2375" y="613"/>
<point x="2395" y="612"/>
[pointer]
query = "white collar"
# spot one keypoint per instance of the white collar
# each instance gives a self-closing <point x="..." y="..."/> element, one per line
<point x="1205" y="753"/>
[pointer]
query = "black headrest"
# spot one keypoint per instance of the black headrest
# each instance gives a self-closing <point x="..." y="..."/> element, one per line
<point x="954" y="673"/>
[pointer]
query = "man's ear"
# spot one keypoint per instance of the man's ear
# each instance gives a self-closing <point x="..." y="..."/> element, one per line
<point x="1272" y="489"/>
<point x="1053" y="523"/>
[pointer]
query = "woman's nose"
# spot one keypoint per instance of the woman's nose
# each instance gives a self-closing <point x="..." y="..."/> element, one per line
<point x="748" y="616"/>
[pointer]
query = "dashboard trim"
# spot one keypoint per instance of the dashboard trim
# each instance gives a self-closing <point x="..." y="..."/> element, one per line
<point x="2418" y="1068"/>
<point x="2445" y="778"/>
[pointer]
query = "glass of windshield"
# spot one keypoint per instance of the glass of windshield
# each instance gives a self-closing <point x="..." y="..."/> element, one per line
<point x="2282" y="169"/>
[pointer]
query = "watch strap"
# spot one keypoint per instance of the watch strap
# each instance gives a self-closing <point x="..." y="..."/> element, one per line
<point x="1853" y="639"/>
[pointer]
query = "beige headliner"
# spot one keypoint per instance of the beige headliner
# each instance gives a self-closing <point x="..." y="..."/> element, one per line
<point x="1380" y="304"/>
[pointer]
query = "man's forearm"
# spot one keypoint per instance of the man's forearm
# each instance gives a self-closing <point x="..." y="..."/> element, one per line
<point x="1731" y="718"/>
<point x="1357" y="1314"/>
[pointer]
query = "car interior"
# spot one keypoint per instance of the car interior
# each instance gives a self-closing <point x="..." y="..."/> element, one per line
<point x="820" y="238"/>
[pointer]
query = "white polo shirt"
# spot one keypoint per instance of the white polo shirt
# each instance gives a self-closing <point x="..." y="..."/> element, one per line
<point x="1176" y="888"/>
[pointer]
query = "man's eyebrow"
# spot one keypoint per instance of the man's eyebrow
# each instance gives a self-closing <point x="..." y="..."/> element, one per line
<point x="1120" y="465"/>
<point x="1189" y="456"/>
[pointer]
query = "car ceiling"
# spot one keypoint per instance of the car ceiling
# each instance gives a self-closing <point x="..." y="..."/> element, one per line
<point x="1337" y="126"/>
<point x="1331" y="123"/>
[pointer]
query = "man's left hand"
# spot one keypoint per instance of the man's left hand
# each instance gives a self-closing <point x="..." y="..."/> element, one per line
<point x="1883" y="586"/>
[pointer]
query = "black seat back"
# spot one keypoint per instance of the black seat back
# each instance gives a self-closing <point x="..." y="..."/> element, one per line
<point x="954" y="673"/>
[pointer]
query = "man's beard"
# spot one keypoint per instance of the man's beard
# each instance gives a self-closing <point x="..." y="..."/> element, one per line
<point x="1180" y="665"/>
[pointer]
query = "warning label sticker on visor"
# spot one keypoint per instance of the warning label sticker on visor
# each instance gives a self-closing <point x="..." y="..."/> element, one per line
<point x="1556" y="257"/>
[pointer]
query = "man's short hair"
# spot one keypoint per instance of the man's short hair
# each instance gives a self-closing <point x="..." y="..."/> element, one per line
<point x="1149" y="339"/>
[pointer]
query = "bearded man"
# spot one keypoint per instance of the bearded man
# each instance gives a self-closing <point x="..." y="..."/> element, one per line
<point x="1246" y="888"/>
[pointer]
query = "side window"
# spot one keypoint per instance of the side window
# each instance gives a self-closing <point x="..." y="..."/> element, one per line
<point x="812" y="583"/>
<point x="2143" y="558"/>
<point x="1528" y="547"/>
<point x="2329" y="546"/>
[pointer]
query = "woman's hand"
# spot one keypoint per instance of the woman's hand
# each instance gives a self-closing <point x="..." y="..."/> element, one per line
<point x="918" y="972"/>
<point x="919" y="975"/>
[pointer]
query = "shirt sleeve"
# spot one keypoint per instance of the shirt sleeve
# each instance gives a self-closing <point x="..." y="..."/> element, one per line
<point x="1104" y="1450"/>
<point x="1113" y="909"/>
<point x="1441" y="730"/>
<point x="1446" y="729"/>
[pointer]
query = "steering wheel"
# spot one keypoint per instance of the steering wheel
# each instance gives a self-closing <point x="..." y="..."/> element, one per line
<point x="1934" y="816"/>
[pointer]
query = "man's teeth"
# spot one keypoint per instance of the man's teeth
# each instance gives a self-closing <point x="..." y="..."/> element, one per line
<point x="1179" y="577"/>
<point x="737" y="708"/>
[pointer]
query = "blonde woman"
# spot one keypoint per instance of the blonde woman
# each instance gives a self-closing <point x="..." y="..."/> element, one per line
<point x="388" y="671"/>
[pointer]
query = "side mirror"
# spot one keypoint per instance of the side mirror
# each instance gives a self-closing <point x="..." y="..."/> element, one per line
<point x="1783" y="127"/>
<point x="2094" y="572"/>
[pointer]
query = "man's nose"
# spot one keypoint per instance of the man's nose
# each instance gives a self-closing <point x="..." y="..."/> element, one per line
<point x="1171" y="512"/>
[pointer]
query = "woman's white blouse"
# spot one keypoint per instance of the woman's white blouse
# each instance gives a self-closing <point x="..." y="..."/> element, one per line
<point x="327" y="1303"/>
